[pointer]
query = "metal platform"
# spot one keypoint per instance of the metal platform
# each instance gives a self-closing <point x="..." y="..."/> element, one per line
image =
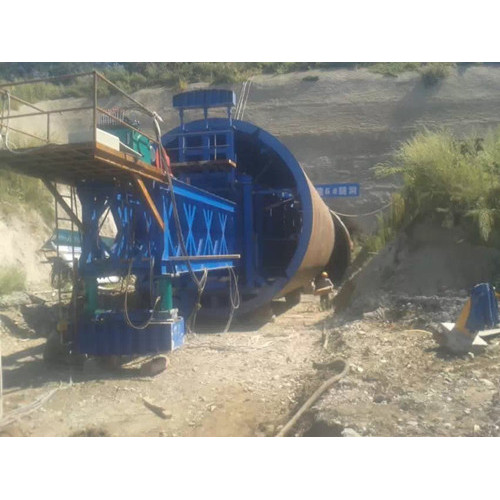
<point x="72" y="163"/>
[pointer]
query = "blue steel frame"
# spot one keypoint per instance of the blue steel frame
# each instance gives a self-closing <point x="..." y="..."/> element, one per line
<point x="215" y="229"/>
<point x="141" y="247"/>
<point x="207" y="222"/>
<point x="303" y="189"/>
<point x="209" y="230"/>
<point x="207" y="147"/>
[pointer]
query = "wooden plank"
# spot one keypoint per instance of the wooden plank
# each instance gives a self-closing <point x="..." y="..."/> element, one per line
<point x="149" y="201"/>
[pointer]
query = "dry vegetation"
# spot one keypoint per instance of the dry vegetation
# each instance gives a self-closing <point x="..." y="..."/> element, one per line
<point x="455" y="181"/>
<point x="12" y="279"/>
<point x="134" y="76"/>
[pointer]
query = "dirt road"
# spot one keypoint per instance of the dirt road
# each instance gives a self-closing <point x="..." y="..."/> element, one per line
<point x="250" y="381"/>
<point x="244" y="383"/>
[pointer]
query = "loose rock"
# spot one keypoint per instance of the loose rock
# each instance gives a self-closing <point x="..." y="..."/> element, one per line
<point x="348" y="432"/>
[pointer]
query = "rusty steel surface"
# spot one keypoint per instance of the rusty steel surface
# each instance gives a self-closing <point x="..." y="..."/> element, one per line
<point x="321" y="243"/>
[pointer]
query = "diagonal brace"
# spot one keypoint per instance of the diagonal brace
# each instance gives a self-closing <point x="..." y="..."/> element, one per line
<point x="149" y="201"/>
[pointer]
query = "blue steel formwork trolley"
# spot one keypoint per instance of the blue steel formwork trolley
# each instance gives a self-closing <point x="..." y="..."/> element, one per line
<point x="213" y="216"/>
<point x="170" y="264"/>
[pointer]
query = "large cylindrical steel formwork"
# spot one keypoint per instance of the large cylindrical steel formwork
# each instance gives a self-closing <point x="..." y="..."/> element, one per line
<point x="306" y="229"/>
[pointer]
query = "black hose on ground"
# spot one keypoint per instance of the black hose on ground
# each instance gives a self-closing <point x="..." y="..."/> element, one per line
<point x="326" y="385"/>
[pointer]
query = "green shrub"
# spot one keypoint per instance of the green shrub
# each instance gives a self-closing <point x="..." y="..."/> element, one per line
<point x="35" y="92"/>
<point x="388" y="225"/>
<point x="450" y="179"/>
<point x="181" y="85"/>
<point x="432" y="73"/>
<point x="137" y="80"/>
<point x="12" y="279"/>
<point x="393" y="68"/>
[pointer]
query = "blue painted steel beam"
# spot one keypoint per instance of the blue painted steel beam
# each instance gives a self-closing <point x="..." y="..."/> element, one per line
<point x="207" y="225"/>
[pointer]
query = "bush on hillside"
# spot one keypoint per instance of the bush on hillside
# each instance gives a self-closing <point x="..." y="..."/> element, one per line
<point x="454" y="180"/>
<point x="394" y="68"/>
<point x="12" y="279"/>
<point x="432" y="73"/>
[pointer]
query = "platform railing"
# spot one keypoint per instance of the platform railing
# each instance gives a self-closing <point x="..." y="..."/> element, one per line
<point x="97" y="84"/>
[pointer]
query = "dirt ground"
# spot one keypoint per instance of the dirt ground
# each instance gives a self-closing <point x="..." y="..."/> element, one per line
<point x="243" y="383"/>
<point x="250" y="381"/>
<point x="402" y="383"/>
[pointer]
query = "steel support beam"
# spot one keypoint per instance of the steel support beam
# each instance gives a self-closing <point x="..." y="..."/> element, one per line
<point x="149" y="201"/>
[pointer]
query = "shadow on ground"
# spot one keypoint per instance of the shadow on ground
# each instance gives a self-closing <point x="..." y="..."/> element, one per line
<point x="27" y="369"/>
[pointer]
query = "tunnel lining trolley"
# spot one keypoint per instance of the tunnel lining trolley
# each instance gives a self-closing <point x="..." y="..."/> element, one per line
<point x="109" y="162"/>
<point x="216" y="213"/>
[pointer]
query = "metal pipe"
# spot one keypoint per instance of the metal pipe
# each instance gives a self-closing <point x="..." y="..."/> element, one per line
<point x="204" y="257"/>
<point x="95" y="108"/>
<point x="165" y="285"/>
<point x="309" y="241"/>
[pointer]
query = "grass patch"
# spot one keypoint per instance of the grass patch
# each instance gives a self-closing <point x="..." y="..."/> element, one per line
<point x="388" y="225"/>
<point x="35" y="92"/>
<point x="451" y="180"/>
<point x="310" y="78"/>
<point x="431" y="73"/>
<point x="18" y="190"/>
<point x="12" y="279"/>
<point x="393" y="68"/>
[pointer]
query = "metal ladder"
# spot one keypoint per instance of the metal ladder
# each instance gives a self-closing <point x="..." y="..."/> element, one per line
<point x="243" y="99"/>
<point x="64" y="220"/>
